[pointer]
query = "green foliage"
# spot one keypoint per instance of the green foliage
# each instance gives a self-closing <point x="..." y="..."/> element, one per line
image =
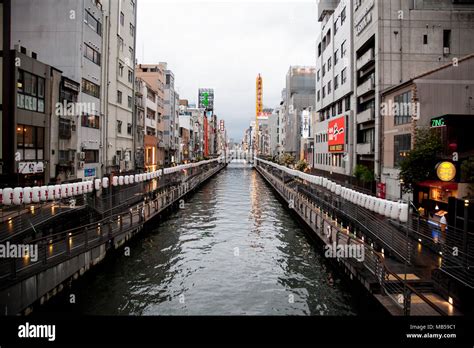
<point x="419" y="164"/>
<point x="286" y="159"/>
<point x="301" y="165"/>
<point x="363" y="173"/>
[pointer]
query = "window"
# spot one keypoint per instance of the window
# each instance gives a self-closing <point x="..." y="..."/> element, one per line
<point x="324" y="69"/>
<point x="120" y="69"/>
<point x="324" y="91"/>
<point x="122" y="19"/>
<point x="425" y="39"/>
<point x="119" y="97"/>
<point x="30" y="142"/>
<point x="30" y="91"/>
<point x="401" y="146"/>
<point x="150" y="131"/>
<point x="343" y="15"/>
<point x="91" y="156"/>
<point x="91" y="54"/>
<point x="130" y="102"/>
<point x="319" y="50"/>
<point x="130" y="76"/>
<point x="446" y="40"/>
<point x="401" y="108"/>
<point x="90" y="88"/>
<point x="130" y="50"/>
<point x="336" y="57"/>
<point x="328" y="38"/>
<point x="343" y="49"/>
<point x="343" y="76"/>
<point x="348" y="103"/>
<point x="121" y="44"/>
<point x="64" y="128"/>
<point x="329" y="87"/>
<point x="336" y="25"/>
<point x="93" y="23"/>
<point x="339" y="107"/>
<point x="319" y="95"/>
<point x="336" y="82"/>
<point x="150" y="114"/>
<point x="129" y="128"/>
<point x="90" y="121"/>
<point x="151" y="95"/>
<point x="119" y="127"/>
<point x="329" y="63"/>
<point x="132" y="30"/>
<point x="318" y="75"/>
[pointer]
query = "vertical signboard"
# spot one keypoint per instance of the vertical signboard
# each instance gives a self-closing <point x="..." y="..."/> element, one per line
<point x="259" y="99"/>
<point x="337" y="135"/>
<point x="305" y="124"/>
<point x="206" y="98"/>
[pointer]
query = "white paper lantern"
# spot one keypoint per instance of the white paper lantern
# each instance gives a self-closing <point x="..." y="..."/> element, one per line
<point x="36" y="194"/>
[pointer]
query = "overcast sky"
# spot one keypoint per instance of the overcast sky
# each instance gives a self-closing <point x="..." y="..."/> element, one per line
<point x="224" y="44"/>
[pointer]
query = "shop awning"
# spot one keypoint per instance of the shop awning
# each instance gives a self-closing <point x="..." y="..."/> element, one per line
<point x="451" y="186"/>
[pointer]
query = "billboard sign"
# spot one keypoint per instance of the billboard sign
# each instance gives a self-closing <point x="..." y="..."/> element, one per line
<point x="206" y="98"/>
<point x="337" y="134"/>
<point x="221" y="126"/>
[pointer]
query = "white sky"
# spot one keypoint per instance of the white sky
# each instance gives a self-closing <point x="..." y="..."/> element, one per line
<point x="224" y="44"/>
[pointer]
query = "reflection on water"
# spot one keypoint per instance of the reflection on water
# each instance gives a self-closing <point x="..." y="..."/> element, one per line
<point x="232" y="250"/>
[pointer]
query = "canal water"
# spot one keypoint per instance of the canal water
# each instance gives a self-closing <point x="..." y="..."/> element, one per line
<point x="232" y="249"/>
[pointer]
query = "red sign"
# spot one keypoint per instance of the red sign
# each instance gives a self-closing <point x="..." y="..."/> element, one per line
<point x="337" y="134"/>
<point x="381" y="190"/>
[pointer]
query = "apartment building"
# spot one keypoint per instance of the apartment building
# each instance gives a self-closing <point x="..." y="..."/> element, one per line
<point x="170" y="117"/>
<point x="393" y="42"/>
<point x="69" y="35"/>
<point x="332" y="126"/>
<point x="154" y="75"/>
<point x="139" y="125"/>
<point x="120" y="17"/>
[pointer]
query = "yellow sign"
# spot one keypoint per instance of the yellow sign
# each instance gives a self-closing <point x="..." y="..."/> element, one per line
<point x="259" y="104"/>
<point x="446" y="171"/>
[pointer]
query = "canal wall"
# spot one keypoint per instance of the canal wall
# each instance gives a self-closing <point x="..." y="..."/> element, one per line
<point x="68" y="256"/>
<point x="372" y="275"/>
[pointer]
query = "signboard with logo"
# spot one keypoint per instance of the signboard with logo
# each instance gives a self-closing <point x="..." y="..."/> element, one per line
<point x="446" y="171"/>
<point x="438" y="122"/>
<point x="381" y="190"/>
<point x="337" y="134"/>
<point x="30" y="167"/>
<point x="206" y="98"/>
<point x="88" y="172"/>
<point x="221" y="125"/>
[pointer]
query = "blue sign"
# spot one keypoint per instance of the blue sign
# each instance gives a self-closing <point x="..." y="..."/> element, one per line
<point x="89" y="172"/>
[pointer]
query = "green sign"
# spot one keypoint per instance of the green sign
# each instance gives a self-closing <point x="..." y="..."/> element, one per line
<point x="438" y="122"/>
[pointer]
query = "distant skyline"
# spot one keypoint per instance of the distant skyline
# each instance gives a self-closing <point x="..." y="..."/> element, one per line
<point x="224" y="45"/>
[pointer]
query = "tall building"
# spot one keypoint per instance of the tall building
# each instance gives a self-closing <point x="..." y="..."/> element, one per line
<point x="154" y="75"/>
<point x="120" y="17"/>
<point x="170" y="117"/>
<point x="333" y="134"/>
<point x="393" y="42"/>
<point x="300" y="95"/>
<point x="69" y="35"/>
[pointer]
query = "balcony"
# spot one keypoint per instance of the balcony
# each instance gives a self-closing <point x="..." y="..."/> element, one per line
<point x="326" y="7"/>
<point x="366" y="116"/>
<point x="365" y="149"/>
<point x="366" y="58"/>
<point x="366" y="87"/>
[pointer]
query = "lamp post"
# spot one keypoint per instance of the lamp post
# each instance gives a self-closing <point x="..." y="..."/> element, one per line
<point x="401" y="188"/>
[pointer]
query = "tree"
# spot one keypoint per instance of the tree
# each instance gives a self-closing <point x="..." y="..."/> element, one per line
<point x="467" y="175"/>
<point x="301" y="165"/>
<point x="420" y="163"/>
<point x="363" y="173"/>
<point x="286" y="159"/>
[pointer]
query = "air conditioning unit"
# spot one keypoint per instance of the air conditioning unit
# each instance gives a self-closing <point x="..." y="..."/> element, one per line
<point x="80" y="165"/>
<point x="446" y="50"/>
<point x="81" y="156"/>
